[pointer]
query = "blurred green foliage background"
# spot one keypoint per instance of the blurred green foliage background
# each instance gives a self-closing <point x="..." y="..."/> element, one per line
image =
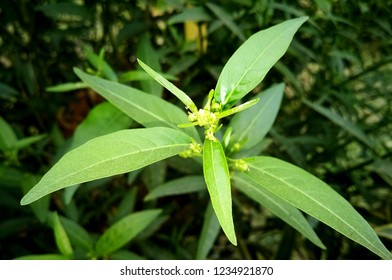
<point x="335" y="120"/>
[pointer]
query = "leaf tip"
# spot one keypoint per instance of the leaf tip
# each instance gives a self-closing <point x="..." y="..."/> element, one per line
<point x="77" y="70"/>
<point x="25" y="200"/>
<point x="29" y="198"/>
<point x="233" y="240"/>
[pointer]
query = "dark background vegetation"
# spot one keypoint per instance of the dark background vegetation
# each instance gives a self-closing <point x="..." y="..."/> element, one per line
<point x="340" y="61"/>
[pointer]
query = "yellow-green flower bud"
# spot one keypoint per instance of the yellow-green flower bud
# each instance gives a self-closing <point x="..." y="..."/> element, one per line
<point x="241" y="165"/>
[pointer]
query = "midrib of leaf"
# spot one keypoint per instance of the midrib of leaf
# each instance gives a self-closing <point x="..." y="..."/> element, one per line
<point x="118" y="157"/>
<point x="261" y="193"/>
<point x="320" y="204"/>
<point x="296" y="222"/>
<point x="255" y="61"/>
<point x="102" y="88"/>
<point x="215" y="182"/>
<point x="224" y="217"/>
<point x="142" y="109"/>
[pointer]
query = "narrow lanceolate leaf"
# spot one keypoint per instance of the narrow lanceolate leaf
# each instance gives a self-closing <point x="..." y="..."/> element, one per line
<point x="146" y="109"/>
<point x="78" y="236"/>
<point x="109" y="155"/>
<point x="216" y="174"/>
<point x="103" y="119"/>
<point x="45" y="257"/>
<point x="251" y="126"/>
<point x="253" y="59"/>
<point x="124" y="231"/>
<point x="61" y="237"/>
<point x="147" y="53"/>
<point x="276" y="205"/>
<point x="209" y="233"/>
<point x="315" y="198"/>
<point x="100" y="64"/>
<point x="7" y="136"/>
<point x="179" y="186"/>
<point x="66" y="87"/>
<point x="170" y="87"/>
<point x="238" y="108"/>
<point x="342" y="122"/>
<point x="226" y="19"/>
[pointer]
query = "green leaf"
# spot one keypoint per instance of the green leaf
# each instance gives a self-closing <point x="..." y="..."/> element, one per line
<point x="126" y="205"/>
<point x="102" y="119"/>
<point x="146" y="109"/>
<point x="8" y="138"/>
<point x="217" y="177"/>
<point x="25" y="142"/>
<point x="251" y="125"/>
<point x="43" y="257"/>
<point x="8" y="93"/>
<point x="66" y="87"/>
<point x="170" y="87"/>
<point x="109" y="155"/>
<point x="181" y="65"/>
<point x="100" y="64"/>
<point x="78" y="236"/>
<point x="276" y="205"/>
<point x="61" y="237"/>
<point x="183" y="185"/>
<point x="340" y="121"/>
<point x="124" y="231"/>
<point x="66" y="11"/>
<point x="238" y="109"/>
<point x="191" y="14"/>
<point x="384" y="231"/>
<point x="209" y="233"/>
<point x="140" y="75"/>
<point x="41" y="207"/>
<point x="383" y="167"/>
<point x="11" y="177"/>
<point x="226" y="19"/>
<point x="315" y="198"/>
<point x="13" y="225"/>
<point x="154" y="175"/>
<point x="147" y="53"/>
<point x="125" y="255"/>
<point x="253" y="59"/>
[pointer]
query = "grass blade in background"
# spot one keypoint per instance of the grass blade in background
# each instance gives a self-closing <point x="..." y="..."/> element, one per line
<point x="182" y="185"/>
<point x="61" y="237"/>
<point x="124" y="231"/>
<point x="100" y="64"/>
<point x="196" y="14"/>
<point x="340" y="121"/>
<point x="209" y="233"/>
<point x="147" y="53"/>
<point x="103" y="119"/>
<point x="77" y="235"/>
<point x="67" y="87"/>
<point x="7" y="136"/>
<point x="226" y="19"/>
